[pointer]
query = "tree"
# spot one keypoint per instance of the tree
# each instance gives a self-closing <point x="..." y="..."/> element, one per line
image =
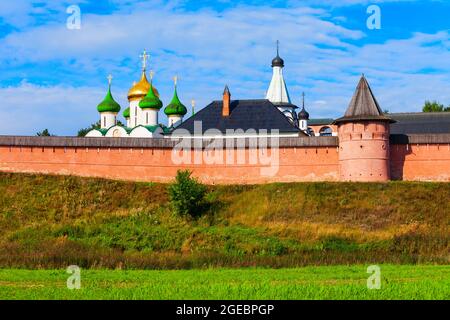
<point x="434" y="107"/>
<point x="187" y="195"/>
<point x="83" y="132"/>
<point x="44" y="133"/>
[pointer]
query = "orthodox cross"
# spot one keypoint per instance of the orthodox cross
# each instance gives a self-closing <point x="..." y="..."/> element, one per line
<point x="109" y="77"/>
<point x="144" y="56"/>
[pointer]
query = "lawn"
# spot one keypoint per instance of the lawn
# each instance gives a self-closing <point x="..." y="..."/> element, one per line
<point x="325" y="282"/>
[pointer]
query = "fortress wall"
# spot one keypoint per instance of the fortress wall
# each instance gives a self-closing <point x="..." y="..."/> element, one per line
<point x="420" y="162"/>
<point x="412" y="158"/>
<point x="297" y="159"/>
<point x="420" y="157"/>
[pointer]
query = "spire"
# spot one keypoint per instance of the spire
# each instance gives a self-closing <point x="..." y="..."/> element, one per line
<point x="193" y="107"/>
<point x="277" y="61"/>
<point x="303" y="114"/>
<point x="278" y="93"/>
<point x="364" y="105"/>
<point x="303" y="100"/>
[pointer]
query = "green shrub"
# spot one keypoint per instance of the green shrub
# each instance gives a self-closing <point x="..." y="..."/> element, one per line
<point x="187" y="195"/>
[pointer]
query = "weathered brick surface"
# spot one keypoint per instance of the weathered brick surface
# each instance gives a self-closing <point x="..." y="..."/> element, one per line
<point x="428" y="158"/>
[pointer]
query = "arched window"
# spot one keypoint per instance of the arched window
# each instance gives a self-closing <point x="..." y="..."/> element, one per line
<point x="311" y="132"/>
<point x="326" y="132"/>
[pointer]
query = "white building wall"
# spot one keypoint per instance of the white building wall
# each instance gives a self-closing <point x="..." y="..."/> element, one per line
<point x="149" y="117"/>
<point x="116" y="132"/>
<point x="303" y="125"/>
<point x="278" y="92"/>
<point x="108" y="119"/>
<point x="174" y="120"/>
<point x="134" y="113"/>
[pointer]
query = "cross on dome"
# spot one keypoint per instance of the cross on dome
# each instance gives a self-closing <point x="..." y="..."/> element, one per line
<point x="110" y="78"/>
<point x="145" y="57"/>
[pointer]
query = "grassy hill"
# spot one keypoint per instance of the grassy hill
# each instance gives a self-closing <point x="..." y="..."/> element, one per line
<point x="52" y="222"/>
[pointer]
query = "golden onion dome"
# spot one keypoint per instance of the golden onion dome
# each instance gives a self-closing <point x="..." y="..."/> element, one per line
<point x="140" y="89"/>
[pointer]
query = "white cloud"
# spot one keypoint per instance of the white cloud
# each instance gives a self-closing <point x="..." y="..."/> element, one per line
<point x="209" y="49"/>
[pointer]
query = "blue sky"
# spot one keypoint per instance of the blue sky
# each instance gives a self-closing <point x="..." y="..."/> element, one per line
<point x="52" y="77"/>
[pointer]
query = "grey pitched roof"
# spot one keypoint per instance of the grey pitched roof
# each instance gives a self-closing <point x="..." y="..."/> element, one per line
<point x="319" y="122"/>
<point x="420" y="123"/>
<point x="363" y="105"/>
<point x="244" y="114"/>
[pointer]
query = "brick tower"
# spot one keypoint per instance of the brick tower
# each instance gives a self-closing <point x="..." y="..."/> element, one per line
<point x="364" y="138"/>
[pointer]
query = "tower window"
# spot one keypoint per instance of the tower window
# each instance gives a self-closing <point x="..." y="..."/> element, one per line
<point x="104" y="121"/>
<point x="146" y="114"/>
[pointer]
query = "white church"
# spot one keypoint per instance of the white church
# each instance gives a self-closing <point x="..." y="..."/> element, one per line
<point x="144" y="107"/>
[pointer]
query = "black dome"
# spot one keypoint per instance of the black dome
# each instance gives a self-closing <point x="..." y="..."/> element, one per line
<point x="278" y="62"/>
<point x="303" y="114"/>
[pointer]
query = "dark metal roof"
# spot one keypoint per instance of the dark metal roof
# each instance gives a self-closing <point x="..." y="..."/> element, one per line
<point x="278" y="62"/>
<point x="244" y="114"/>
<point x="420" y="123"/>
<point x="303" y="114"/>
<point x="363" y="105"/>
<point x="320" y="122"/>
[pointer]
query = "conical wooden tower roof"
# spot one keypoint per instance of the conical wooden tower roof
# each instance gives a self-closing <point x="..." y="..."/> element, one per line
<point x="364" y="105"/>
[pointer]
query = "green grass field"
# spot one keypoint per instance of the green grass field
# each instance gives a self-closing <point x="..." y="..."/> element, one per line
<point x="50" y="222"/>
<point x="328" y="282"/>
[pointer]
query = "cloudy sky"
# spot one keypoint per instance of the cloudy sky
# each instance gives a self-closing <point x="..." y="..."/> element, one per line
<point x="54" y="77"/>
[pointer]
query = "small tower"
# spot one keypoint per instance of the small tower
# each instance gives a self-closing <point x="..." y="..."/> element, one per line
<point x="108" y="109"/>
<point x="175" y="110"/>
<point x="278" y="93"/>
<point x="364" y="138"/>
<point x="303" y="116"/>
<point x="126" y="115"/>
<point x="150" y="106"/>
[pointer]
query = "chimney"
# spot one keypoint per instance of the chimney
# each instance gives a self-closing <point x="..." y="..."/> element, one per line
<point x="226" y="102"/>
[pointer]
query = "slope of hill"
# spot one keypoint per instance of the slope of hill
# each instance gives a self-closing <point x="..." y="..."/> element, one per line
<point x="54" y="221"/>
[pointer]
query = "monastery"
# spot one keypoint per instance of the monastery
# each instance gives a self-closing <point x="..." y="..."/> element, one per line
<point x="363" y="145"/>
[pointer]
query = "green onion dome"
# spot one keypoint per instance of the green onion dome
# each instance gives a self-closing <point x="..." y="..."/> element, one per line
<point x="151" y="101"/>
<point x="126" y="113"/>
<point x="108" y="104"/>
<point x="175" y="107"/>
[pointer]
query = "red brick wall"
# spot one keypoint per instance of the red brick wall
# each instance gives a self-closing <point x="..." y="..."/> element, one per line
<point x="424" y="162"/>
<point x="296" y="164"/>
<point x="408" y="162"/>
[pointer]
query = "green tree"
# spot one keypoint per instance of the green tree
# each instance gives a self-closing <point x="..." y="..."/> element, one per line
<point x="187" y="195"/>
<point x="44" y="133"/>
<point x="83" y="132"/>
<point x="434" y="107"/>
